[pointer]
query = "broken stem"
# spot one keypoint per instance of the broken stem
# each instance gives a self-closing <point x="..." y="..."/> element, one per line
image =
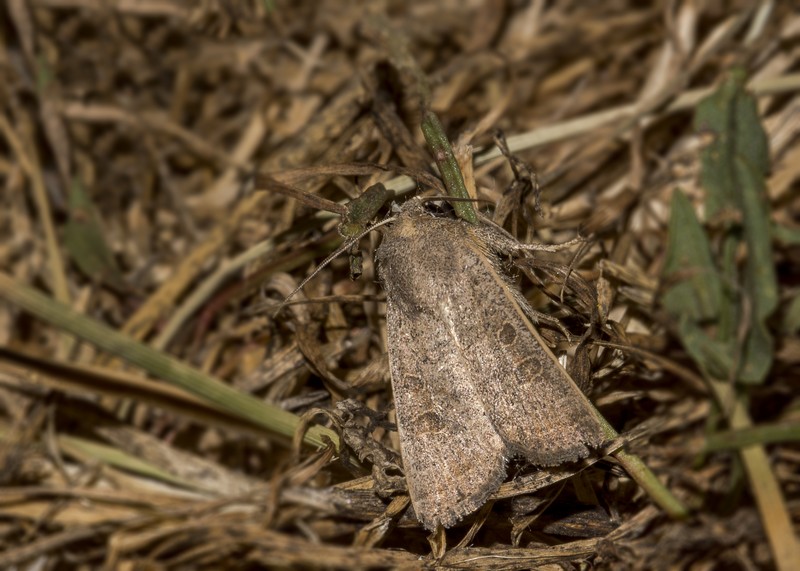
<point x="642" y="475"/>
<point x="448" y="166"/>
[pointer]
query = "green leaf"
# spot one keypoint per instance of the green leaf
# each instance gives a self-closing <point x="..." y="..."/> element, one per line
<point x="761" y="284"/>
<point x="362" y="209"/>
<point x="789" y="236"/>
<point x="697" y="291"/>
<point x="442" y="152"/>
<point x="86" y="243"/>
<point x="764" y="434"/>
<point x="757" y="354"/>
<point x="760" y="270"/>
<point x="791" y="317"/>
<point x="714" y="357"/>
<point x="734" y="166"/>
<point x="730" y="116"/>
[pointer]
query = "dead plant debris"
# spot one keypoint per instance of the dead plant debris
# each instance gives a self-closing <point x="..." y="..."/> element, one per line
<point x="153" y="407"/>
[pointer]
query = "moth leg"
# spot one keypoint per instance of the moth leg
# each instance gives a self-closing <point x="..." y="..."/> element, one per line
<point x="502" y="242"/>
<point x="538" y="317"/>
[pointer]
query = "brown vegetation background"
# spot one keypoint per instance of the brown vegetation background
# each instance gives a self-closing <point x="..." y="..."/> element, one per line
<point x="131" y="134"/>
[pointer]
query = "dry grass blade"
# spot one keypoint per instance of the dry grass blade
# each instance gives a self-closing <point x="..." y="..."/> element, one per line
<point x="160" y="365"/>
<point x="679" y="319"/>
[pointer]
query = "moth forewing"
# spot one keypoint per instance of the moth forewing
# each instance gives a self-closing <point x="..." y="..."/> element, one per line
<point x="540" y="412"/>
<point x="452" y="454"/>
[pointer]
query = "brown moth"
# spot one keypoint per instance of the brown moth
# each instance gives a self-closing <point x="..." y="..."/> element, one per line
<point x="473" y="381"/>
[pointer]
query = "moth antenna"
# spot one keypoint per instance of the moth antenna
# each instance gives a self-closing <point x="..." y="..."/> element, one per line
<point x="333" y="255"/>
<point x="348" y="243"/>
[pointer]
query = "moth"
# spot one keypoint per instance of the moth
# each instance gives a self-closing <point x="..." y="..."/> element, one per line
<point x="474" y="383"/>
